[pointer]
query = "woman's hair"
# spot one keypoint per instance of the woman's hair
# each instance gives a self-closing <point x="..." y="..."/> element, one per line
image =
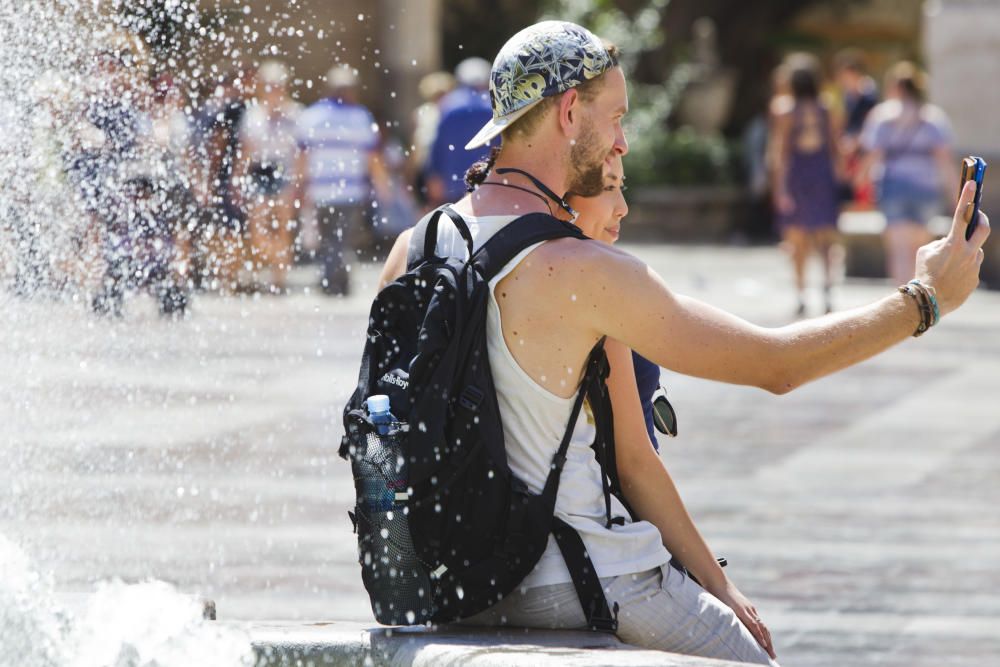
<point x="850" y="59"/>
<point x="803" y="77"/>
<point x="909" y="80"/>
<point x="478" y="172"/>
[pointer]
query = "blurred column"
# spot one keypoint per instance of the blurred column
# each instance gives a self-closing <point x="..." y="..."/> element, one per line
<point x="962" y="49"/>
<point x="410" y="43"/>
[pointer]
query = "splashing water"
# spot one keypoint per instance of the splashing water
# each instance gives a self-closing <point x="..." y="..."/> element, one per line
<point x="148" y="624"/>
<point x="83" y="161"/>
<point x="116" y="447"/>
<point x="33" y="629"/>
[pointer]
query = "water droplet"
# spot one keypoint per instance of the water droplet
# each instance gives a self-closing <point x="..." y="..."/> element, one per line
<point x="411" y="617"/>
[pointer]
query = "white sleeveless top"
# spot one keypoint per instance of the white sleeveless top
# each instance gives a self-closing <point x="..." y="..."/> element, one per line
<point x="534" y="422"/>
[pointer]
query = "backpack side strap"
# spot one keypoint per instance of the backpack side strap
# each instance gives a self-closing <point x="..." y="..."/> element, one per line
<point x="423" y="243"/>
<point x="600" y="615"/>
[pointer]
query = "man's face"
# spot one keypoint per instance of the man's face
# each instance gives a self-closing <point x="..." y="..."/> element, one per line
<point x="601" y="138"/>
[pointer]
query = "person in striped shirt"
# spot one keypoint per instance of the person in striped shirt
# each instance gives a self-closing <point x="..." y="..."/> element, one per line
<point x="339" y="172"/>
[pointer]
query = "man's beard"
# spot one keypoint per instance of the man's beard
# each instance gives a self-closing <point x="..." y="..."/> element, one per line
<point x="586" y="165"/>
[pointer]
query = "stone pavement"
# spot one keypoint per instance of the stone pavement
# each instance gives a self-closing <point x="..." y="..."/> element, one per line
<point x="859" y="512"/>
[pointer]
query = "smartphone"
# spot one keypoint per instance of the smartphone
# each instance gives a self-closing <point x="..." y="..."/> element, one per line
<point x="973" y="169"/>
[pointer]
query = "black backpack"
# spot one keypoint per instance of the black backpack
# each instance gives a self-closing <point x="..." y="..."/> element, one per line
<point x="458" y="531"/>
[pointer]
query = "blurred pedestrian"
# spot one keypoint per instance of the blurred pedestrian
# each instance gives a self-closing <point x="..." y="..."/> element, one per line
<point x="116" y="174"/>
<point x="38" y="137"/>
<point x="781" y="100"/>
<point x="859" y="95"/>
<point x="175" y="206"/>
<point x="338" y="169"/>
<point x="807" y="165"/>
<point x="266" y="175"/>
<point x="396" y="207"/>
<point x="910" y="158"/>
<point x="218" y="235"/>
<point x="433" y="88"/>
<point x="463" y="111"/>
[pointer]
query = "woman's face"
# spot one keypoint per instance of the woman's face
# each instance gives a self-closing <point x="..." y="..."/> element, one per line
<point x="601" y="216"/>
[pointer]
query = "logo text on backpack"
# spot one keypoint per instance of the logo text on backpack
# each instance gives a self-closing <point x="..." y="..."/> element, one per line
<point x="398" y="381"/>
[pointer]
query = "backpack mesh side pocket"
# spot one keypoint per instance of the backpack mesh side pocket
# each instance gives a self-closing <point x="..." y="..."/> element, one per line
<point x="397" y="581"/>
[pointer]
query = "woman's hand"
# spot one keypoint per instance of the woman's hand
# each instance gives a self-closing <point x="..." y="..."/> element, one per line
<point x="951" y="265"/>
<point x="747" y="613"/>
<point x="783" y="203"/>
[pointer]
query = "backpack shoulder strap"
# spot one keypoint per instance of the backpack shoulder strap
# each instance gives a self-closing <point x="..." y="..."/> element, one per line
<point x="518" y="235"/>
<point x="423" y="243"/>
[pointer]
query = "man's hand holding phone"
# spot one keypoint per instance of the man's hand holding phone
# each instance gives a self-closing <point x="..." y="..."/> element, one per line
<point x="950" y="265"/>
<point x="973" y="169"/>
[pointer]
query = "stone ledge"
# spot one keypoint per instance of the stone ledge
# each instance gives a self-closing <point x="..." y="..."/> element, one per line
<point x="357" y="644"/>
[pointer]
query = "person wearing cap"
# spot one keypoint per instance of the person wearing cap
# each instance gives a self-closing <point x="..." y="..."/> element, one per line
<point x="463" y="112"/>
<point x="337" y="170"/>
<point x="558" y="101"/>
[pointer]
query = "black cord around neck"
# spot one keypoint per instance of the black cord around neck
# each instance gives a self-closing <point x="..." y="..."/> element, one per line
<point x="518" y="187"/>
<point x="543" y="189"/>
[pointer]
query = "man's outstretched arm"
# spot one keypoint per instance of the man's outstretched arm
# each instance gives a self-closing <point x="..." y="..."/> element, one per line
<point x="623" y="299"/>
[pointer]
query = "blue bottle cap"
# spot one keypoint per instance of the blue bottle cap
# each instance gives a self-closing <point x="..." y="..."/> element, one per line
<point x="378" y="403"/>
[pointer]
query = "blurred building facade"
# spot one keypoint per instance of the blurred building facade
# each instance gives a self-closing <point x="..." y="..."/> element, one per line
<point x="392" y="43"/>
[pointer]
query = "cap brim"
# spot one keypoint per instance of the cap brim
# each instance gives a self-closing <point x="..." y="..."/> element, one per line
<point x="497" y="125"/>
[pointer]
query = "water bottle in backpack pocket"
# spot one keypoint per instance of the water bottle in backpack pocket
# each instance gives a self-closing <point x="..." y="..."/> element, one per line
<point x="396" y="580"/>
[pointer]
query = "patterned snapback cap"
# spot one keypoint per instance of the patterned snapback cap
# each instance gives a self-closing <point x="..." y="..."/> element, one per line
<point x="545" y="59"/>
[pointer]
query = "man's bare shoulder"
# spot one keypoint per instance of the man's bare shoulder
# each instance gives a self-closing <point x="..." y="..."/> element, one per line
<point x="576" y="252"/>
<point x="573" y="264"/>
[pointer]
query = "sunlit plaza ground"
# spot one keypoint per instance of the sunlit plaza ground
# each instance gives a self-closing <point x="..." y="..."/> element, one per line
<point x="859" y="513"/>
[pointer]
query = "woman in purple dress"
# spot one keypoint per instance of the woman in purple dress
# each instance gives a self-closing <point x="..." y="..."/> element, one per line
<point x="807" y="168"/>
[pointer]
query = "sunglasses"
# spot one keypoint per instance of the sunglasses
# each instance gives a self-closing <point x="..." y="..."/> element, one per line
<point x="664" y="417"/>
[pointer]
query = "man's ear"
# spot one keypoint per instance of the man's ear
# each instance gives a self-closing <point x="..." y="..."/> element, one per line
<point x="569" y="112"/>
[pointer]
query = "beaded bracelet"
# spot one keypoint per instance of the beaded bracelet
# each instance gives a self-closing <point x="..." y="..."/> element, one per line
<point x="929" y="291"/>
<point x="926" y="314"/>
<point x="929" y="302"/>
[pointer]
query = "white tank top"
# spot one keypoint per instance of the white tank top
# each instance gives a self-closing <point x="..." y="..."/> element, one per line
<point x="534" y="422"/>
